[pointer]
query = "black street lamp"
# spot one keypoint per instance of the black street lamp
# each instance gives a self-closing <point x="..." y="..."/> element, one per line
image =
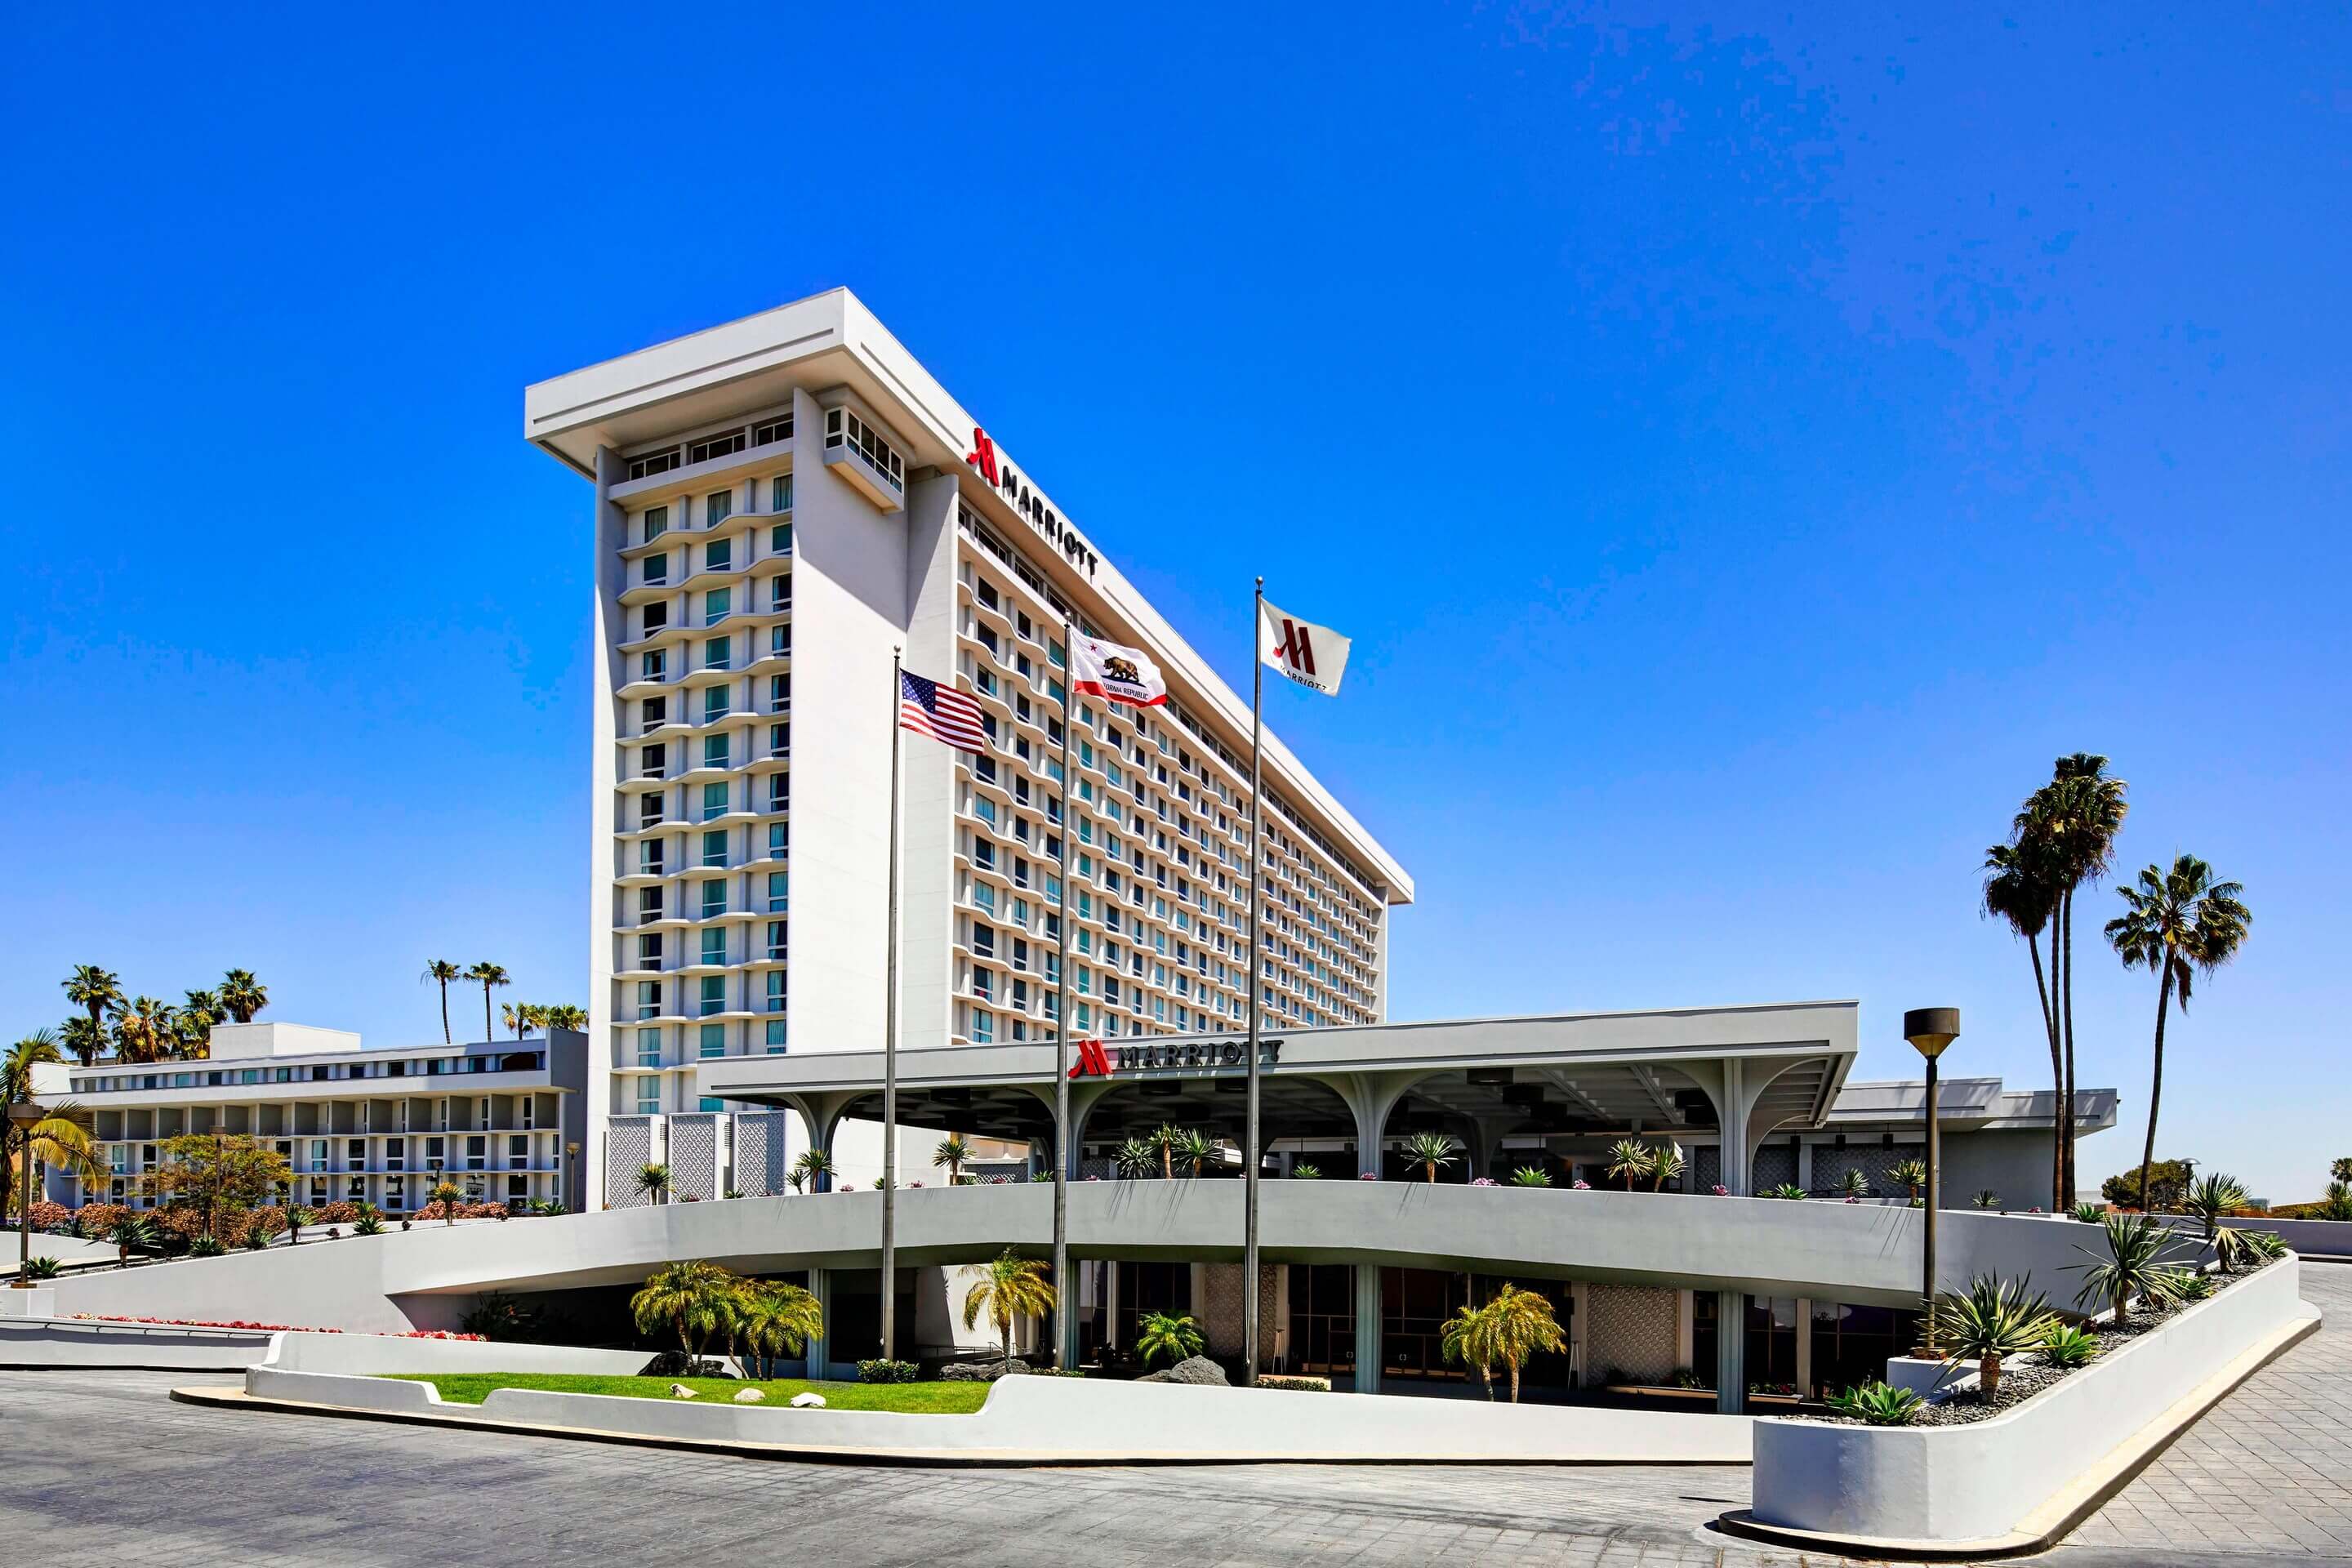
<point x="1930" y="1030"/>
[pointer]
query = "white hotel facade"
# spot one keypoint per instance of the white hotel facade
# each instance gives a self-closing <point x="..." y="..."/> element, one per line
<point x="779" y="503"/>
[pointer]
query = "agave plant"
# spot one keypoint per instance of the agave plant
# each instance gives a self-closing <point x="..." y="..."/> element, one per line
<point x="43" y="1266"/>
<point x="1431" y="1151"/>
<point x="1788" y="1190"/>
<point x="2088" y="1213"/>
<point x="1135" y="1159"/>
<point x="1879" y="1404"/>
<point x="2134" y="1264"/>
<point x="1993" y="1319"/>
<point x="2191" y="1284"/>
<point x="2212" y="1198"/>
<point x="1530" y="1176"/>
<point x="1305" y="1171"/>
<point x="2068" y="1346"/>
<point x="1986" y="1198"/>
<point x="1629" y="1158"/>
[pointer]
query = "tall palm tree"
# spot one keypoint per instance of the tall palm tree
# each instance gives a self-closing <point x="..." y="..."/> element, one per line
<point x="2071" y="824"/>
<point x="1163" y="1140"/>
<point x="2175" y="922"/>
<point x="1523" y="1324"/>
<point x="487" y="975"/>
<point x="196" y="1020"/>
<point x="2018" y="892"/>
<point x="58" y="1138"/>
<point x="97" y="991"/>
<point x="518" y="1016"/>
<point x="952" y="1153"/>
<point x="145" y="1030"/>
<point x="1009" y="1288"/>
<point x="243" y="995"/>
<point x="84" y="1039"/>
<point x="441" y="972"/>
<point x="774" y="1317"/>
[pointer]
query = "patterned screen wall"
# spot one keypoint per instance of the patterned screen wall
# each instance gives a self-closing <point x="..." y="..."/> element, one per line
<point x="628" y="1149"/>
<point x="762" y="1159"/>
<point x="1630" y="1333"/>
<point x="1775" y="1163"/>
<point x="1831" y="1165"/>
<point x="693" y="1157"/>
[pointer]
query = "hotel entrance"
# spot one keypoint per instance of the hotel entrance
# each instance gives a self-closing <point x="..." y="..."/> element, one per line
<point x="1414" y="1305"/>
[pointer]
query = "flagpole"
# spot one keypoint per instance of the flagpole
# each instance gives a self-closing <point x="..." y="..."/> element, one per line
<point x="890" y="1043"/>
<point x="1250" y="1151"/>
<point x="1065" y="1305"/>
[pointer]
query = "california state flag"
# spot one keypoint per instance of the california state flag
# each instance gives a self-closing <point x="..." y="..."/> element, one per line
<point x="1314" y="656"/>
<point x="1115" y="674"/>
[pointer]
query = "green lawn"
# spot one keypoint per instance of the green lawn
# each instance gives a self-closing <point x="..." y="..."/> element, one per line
<point x="917" y="1398"/>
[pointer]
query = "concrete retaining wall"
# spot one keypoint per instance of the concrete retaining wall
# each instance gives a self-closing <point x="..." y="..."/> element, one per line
<point x="57" y="1341"/>
<point x="1984" y="1481"/>
<point x="367" y="1355"/>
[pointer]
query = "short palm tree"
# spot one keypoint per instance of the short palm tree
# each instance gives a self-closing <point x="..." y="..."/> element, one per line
<point x="243" y="996"/>
<point x="1510" y="1329"/>
<point x="811" y="1170"/>
<point x="2213" y="1198"/>
<point x="1469" y="1337"/>
<point x="2178" y="923"/>
<point x="1994" y="1317"/>
<point x="1910" y="1175"/>
<point x="1432" y="1151"/>
<point x="1196" y="1147"/>
<point x="1134" y="1159"/>
<point x="1854" y="1185"/>
<point x="951" y="1153"/>
<point x="1629" y="1158"/>
<point x="1163" y="1141"/>
<point x="1665" y="1164"/>
<point x="775" y="1319"/>
<point x="58" y="1138"/>
<point x="441" y="972"/>
<point x="1009" y="1288"/>
<point x="296" y="1216"/>
<point x="652" y="1182"/>
<point x="487" y="975"/>
<point x="1167" y="1336"/>
<point x="693" y="1300"/>
<point x="448" y="1195"/>
<point x="129" y="1231"/>
<point x="2134" y="1264"/>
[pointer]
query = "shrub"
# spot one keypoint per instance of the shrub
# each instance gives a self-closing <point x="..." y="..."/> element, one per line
<point x="2066" y="1345"/>
<point x="206" y="1245"/>
<point x="2166" y="1181"/>
<point x="51" y="1217"/>
<point x="2088" y="1213"/>
<point x="1299" y="1385"/>
<point x="335" y="1213"/>
<point x="1879" y="1404"/>
<point x="96" y="1221"/>
<point x="368" y="1224"/>
<point x="44" y="1267"/>
<point x="1685" y="1378"/>
<point x="882" y="1371"/>
<point x="1305" y="1171"/>
<point x="1530" y="1176"/>
<point x="1482" y="1182"/>
<point x="438" y="1211"/>
<point x="1788" y="1191"/>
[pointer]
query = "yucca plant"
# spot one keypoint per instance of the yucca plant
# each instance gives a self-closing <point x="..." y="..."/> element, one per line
<point x="2235" y="1248"/>
<point x="1630" y="1158"/>
<point x="1665" y="1164"/>
<point x="1195" y="1147"/>
<point x="1530" y="1176"/>
<point x="1855" y="1184"/>
<point x="1879" y="1404"/>
<point x="1993" y="1319"/>
<point x="1987" y="1198"/>
<point x="1135" y="1158"/>
<point x="2067" y="1345"/>
<point x="2134" y="1264"/>
<point x="132" y="1230"/>
<point x="2338" y="1203"/>
<point x="1431" y="1151"/>
<point x="2211" y="1198"/>
<point x="1789" y="1191"/>
<point x="1910" y="1175"/>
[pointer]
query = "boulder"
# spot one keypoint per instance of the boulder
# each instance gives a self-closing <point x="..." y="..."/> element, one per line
<point x="1199" y="1369"/>
<point x="982" y="1371"/>
<point x="680" y="1390"/>
<point x="751" y="1396"/>
<point x="808" y="1401"/>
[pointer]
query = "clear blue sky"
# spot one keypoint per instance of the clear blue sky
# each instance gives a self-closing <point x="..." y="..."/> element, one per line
<point x="1745" y="453"/>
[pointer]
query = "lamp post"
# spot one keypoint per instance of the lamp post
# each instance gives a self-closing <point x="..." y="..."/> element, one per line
<point x="571" y="1166"/>
<point x="22" y="1115"/>
<point x="1930" y="1030"/>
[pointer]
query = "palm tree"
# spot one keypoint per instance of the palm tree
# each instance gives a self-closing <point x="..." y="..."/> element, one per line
<point x="2341" y="1171"/>
<point x="1630" y="1158"/>
<point x="1523" y="1324"/>
<point x="1910" y="1175"/>
<point x="1429" y="1151"/>
<point x="1133" y="1159"/>
<point x="448" y="1195"/>
<point x="243" y="996"/>
<point x="2134" y="1264"/>
<point x="1197" y="1147"/>
<point x="692" y="1298"/>
<point x="1009" y="1287"/>
<point x="518" y="1016"/>
<point x="296" y="1216"/>
<point x="814" y="1166"/>
<point x="1163" y="1141"/>
<point x="58" y="1138"/>
<point x="1995" y="1317"/>
<point x="653" y="1181"/>
<point x="774" y="1317"/>
<point x="145" y="1031"/>
<point x="2069" y="826"/>
<point x="196" y="1021"/>
<point x="2175" y="922"/>
<point x="440" y="972"/>
<point x="1855" y="1184"/>
<point x="97" y="991"/>
<point x="2211" y="1199"/>
<point x="1665" y="1164"/>
<point x="1167" y="1334"/>
<point x="564" y="1015"/>
<point x="487" y="975"/>
<point x="2018" y="891"/>
<point x="952" y="1153"/>
<point x="128" y="1231"/>
<point x="1468" y="1336"/>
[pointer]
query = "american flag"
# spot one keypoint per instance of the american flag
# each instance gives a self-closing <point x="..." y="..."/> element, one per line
<point x="940" y="711"/>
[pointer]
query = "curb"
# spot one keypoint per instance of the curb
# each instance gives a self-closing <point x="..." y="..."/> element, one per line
<point x="916" y="1459"/>
<point x="2086" y="1497"/>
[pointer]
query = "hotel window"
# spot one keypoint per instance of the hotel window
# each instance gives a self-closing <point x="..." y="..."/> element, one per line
<point x="654" y="617"/>
<point x="648" y="1096"/>
<point x="714" y="610"/>
<point x="656" y="569"/>
<point x="714" y="904"/>
<point x="780" y="538"/>
<point x="779" y="740"/>
<point x="714" y="751"/>
<point x="649" y="1006"/>
<point x="780" y="691"/>
<point x="650" y="762"/>
<point x="776" y="1038"/>
<point x="718" y="506"/>
<point x="649" y="905"/>
<point x="780" y="791"/>
<point x="654" y="664"/>
<point x="984" y="1027"/>
<point x="778" y="892"/>
<point x="712" y="998"/>
<point x="649" y="952"/>
<point x="649" y="1047"/>
<point x="843" y="427"/>
<point x="779" y="592"/>
<point x="780" y="638"/>
<point x="779" y="498"/>
<point x="775" y="940"/>
<point x="714" y="950"/>
<point x="719" y="555"/>
<point x="713" y="1041"/>
<point x="714" y="799"/>
<point x="773" y="431"/>
<point x="775" y="990"/>
<point x="655" y="712"/>
<point x="780" y="838"/>
<point x="710" y="447"/>
<point x="649" y="465"/>
<point x="714" y="847"/>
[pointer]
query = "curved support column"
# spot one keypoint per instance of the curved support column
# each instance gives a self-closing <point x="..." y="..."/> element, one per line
<point x="820" y="1116"/>
<point x="1084" y="1095"/>
<point x="1370" y="1098"/>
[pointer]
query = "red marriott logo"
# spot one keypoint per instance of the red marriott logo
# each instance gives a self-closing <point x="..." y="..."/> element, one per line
<point x="1297" y="650"/>
<point x="1093" y="1062"/>
<point x="983" y="454"/>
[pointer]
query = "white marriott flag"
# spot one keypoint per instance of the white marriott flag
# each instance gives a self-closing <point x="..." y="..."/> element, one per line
<point x="1314" y="656"/>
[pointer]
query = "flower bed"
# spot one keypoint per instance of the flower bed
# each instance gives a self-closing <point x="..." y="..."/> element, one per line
<point x="263" y="1327"/>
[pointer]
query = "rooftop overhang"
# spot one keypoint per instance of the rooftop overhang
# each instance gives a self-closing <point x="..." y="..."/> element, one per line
<point x="1569" y="1074"/>
<point x="1969" y="1105"/>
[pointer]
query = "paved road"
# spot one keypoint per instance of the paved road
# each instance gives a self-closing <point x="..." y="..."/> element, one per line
<point x="105" y="1467"/>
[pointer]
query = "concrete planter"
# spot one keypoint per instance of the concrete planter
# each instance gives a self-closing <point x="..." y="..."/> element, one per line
<point x="1999" y="1484"/>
